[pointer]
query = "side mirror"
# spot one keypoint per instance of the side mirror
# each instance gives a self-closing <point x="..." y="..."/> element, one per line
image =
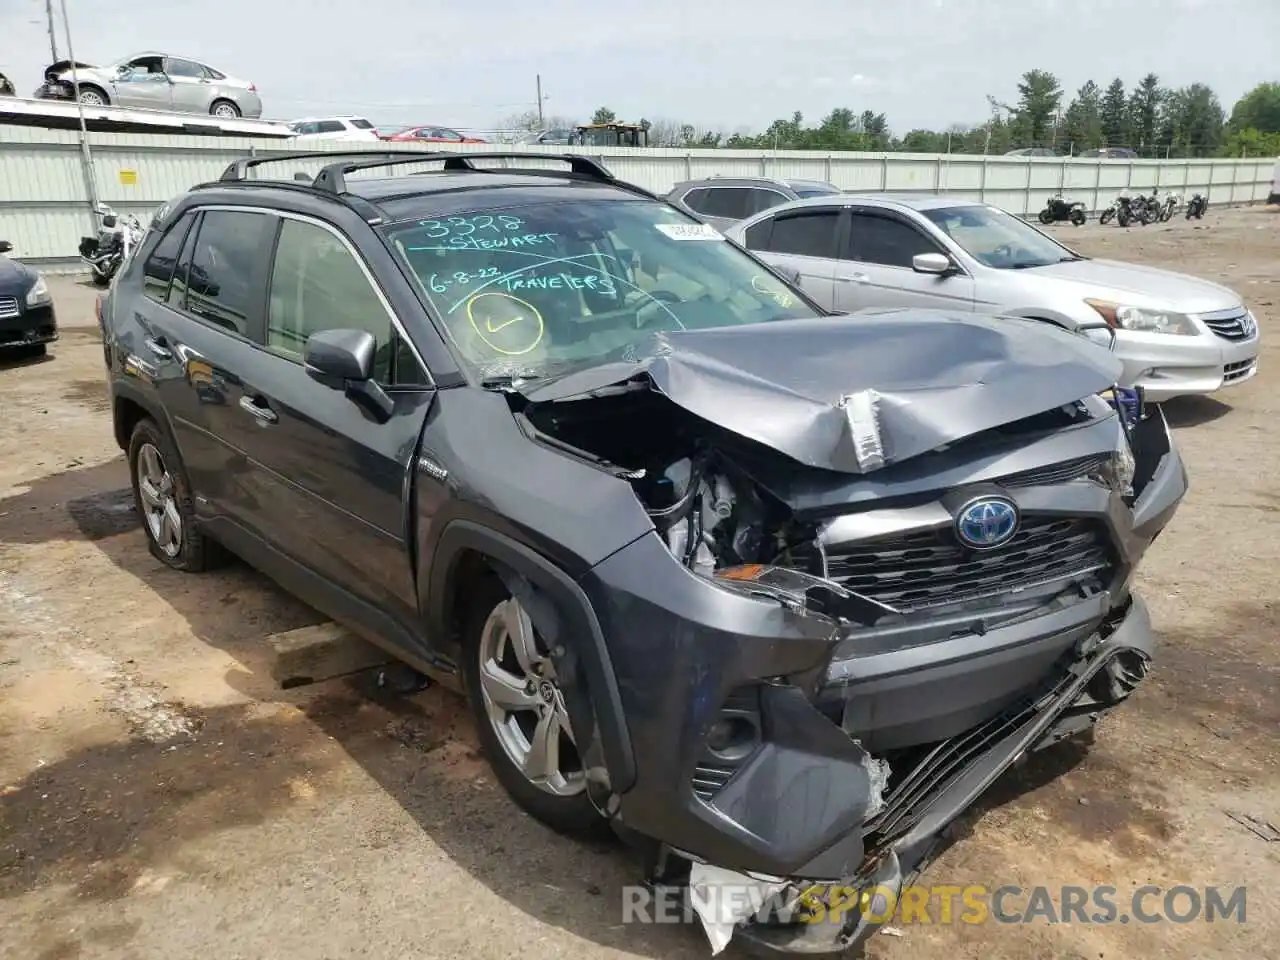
<point x="793" y="277"/>
<point x="340" y="354"/>
<point x="109" y="220"/>
<point x="343" y="359"/>
<point x="5" y="246"/>
<point x="935" y="263"/>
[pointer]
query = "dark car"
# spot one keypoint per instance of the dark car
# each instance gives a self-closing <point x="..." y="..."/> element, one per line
<point x="773" y="593"/>
<point x="27" y="320"/>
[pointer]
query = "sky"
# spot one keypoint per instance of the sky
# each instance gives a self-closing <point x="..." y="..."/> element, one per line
<point x="728" y="66"/>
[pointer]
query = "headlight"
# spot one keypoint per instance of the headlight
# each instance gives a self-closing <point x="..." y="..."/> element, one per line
<point x="1125" y="466"/>
<point x="1143" y="319"/>
<point x="39" y="294"/>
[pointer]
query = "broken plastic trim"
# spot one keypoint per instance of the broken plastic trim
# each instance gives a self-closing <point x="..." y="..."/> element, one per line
<point x="804" y="593"/>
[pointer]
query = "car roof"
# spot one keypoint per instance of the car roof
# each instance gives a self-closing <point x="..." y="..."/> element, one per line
<point x="911" y="201"/>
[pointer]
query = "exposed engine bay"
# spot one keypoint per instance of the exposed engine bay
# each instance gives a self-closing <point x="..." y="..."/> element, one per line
<point x="728" y="507"/>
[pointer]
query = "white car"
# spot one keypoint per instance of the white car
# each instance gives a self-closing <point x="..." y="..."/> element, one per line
<point x="1175" y="334"/>
<point x="334" y="128"/>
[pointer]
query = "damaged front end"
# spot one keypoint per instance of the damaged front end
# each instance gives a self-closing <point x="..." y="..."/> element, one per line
<point x="860" y="602"/>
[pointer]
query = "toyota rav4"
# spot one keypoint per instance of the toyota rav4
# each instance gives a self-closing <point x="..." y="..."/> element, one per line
<point x="774" y="593"/>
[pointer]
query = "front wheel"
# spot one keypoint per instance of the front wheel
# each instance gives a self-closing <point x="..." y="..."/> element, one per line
<point x="1078" y="217"/>
<point x="92" y="97"/>
<point x="520" y="714"/>
<point x="1123" y="218"/>
<point x="1106" y="215"/>
<point x="162" y="497"/>
<point x="1045" y="216"/>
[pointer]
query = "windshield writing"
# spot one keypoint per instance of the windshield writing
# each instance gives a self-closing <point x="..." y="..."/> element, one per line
<point x="569" y="284"/>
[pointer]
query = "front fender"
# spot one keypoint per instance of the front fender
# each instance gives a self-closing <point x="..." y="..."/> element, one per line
<point x="563" y="615"/>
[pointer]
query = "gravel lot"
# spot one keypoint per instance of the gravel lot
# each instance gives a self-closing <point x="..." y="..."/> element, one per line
<point x="160" y="797"/>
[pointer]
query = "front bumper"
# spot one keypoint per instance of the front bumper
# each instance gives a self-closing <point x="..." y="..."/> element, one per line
<point x="871" y="740"/>
<point x="1168" y="366"/>
<point x="935" y="794"/>
<point x="27" y="326"/>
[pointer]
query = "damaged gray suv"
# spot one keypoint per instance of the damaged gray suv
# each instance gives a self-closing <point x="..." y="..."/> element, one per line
<point x="774" y="594"/>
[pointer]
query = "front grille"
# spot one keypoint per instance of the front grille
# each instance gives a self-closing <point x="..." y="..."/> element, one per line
<point x="1077" y="468"/>
<point x="931" y="569"/>
<point x="8" y="307"/>
<point x="1229" y="328"/>
<point x="1238" y="370"/>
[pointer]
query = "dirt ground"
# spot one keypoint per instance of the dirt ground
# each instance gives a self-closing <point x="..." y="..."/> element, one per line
<point x="160" y="798"/>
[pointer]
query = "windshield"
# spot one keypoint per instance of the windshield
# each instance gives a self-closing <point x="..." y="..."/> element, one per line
<point x="998" y="239"/>
<point x="534" y="290"/>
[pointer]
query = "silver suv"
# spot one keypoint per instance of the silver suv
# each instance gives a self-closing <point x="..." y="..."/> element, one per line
<point x="723" y="201"/>
<point x="1175" y="334"/>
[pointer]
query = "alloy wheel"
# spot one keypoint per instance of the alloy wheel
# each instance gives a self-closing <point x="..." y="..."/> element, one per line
<point x="159" y="505"/>
<point x="524" y="704"/>
<point x="91" y="98"/>
<point x="224" y="111"/>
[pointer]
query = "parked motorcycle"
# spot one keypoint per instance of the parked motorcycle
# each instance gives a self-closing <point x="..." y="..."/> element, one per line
<point x="1169" y="207"/>
<point x="1145" y="209"/>
<point x="111" y="248"/>
<point x="1197" y="206"/>
<point x="1121" y="210"/>
<point x="6" y="87"/>
<point x="1057" y="209"/>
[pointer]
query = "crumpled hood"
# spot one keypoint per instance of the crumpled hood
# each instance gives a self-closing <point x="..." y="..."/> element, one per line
<point x="1145" y="286"/>
<point x="853" y="394"/>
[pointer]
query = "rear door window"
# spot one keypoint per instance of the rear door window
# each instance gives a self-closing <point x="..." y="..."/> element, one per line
<point x="812" y="233"/>
<point x="730" y="202"/>
<point x="760" y="200"/>
<point x="361" y="123"/>
<point x="158" y="269"/>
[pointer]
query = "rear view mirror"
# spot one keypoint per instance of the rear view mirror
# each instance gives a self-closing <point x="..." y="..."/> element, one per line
<point x="935" y="263"/>
<point x="5" y="246"/>
<point x="343" y="359"/>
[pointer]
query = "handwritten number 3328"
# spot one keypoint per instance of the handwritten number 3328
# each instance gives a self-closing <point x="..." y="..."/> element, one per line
<point x="466" y="226"/>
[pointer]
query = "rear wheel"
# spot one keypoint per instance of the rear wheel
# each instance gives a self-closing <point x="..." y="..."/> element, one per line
<point x="225" y="110"/>
<point x="1077" y="217"/>
<point x="162" y="497"/>
<point x="1122" y="217"/>
<point x="520" y="714"/>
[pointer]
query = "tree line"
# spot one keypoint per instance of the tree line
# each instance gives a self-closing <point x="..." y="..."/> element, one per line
<point x="1151" y="119"/>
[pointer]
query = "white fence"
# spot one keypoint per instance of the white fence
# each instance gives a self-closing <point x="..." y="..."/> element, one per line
<point x="44" y="208"/>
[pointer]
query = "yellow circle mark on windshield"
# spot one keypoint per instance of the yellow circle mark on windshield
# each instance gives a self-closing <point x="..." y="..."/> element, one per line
<point x="499" y="318"/>
<point x="761" y="284"/>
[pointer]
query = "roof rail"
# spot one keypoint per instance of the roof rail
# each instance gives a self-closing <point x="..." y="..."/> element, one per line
<point x="239" y="169"/>
<point x="332" y="178"/>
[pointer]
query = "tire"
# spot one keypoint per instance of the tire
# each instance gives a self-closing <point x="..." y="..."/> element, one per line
<point x="558" y="804"/>
<point x="190" y="550"/>
<point x="92" y="96"/>
<point x="1046" y="217"/>
<point x="224" y="109"/>
<point x="1106" y="215"/>
<point x="101" y="280"/>
<point x="1191" y="211"/>
<point x="1078" y="217"/>
<point x="1122" y="218"/>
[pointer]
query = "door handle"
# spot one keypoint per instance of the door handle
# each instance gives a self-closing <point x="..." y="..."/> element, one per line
<point x="157" y="346"/>
<point x="856" y="278"/>
<point x="251" y="406"/>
